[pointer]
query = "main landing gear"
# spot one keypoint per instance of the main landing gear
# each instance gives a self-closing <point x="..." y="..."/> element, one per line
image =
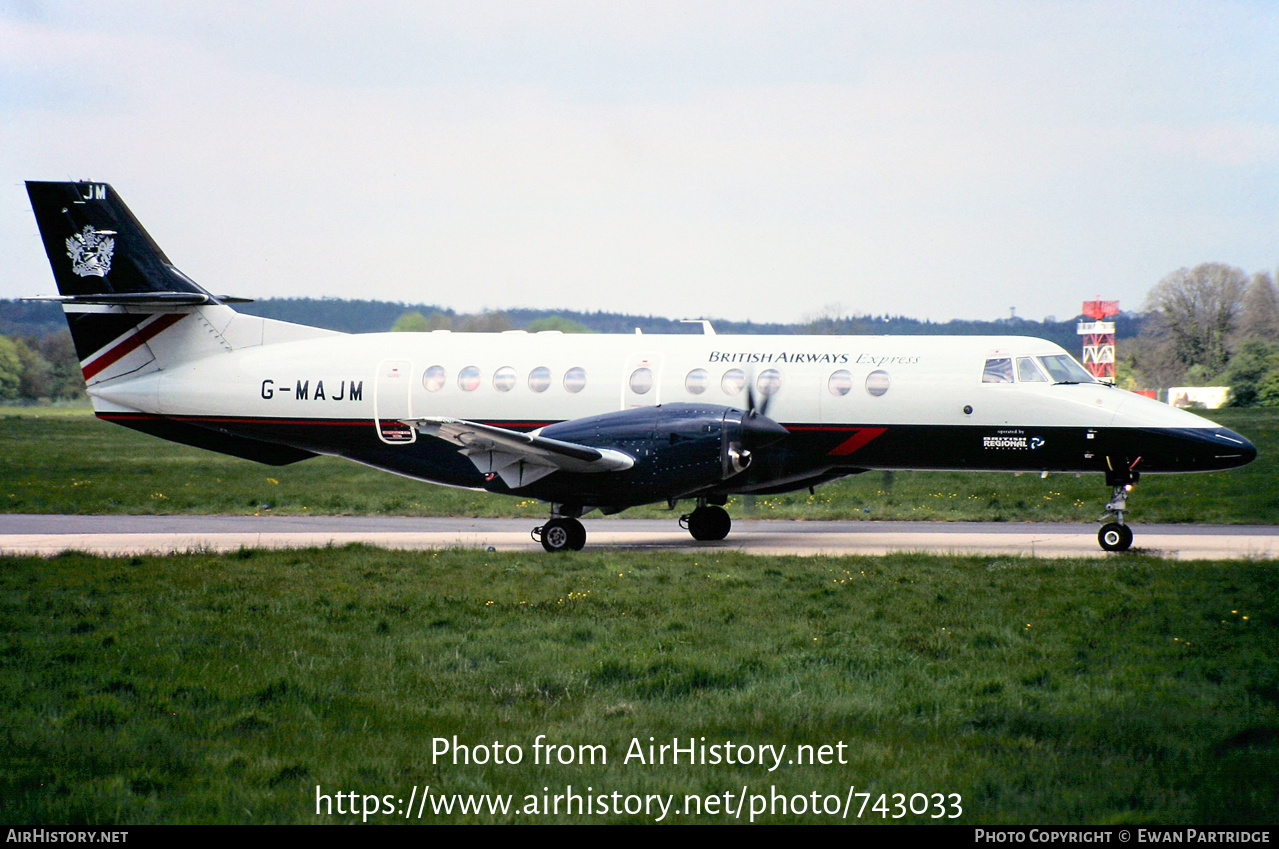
<point x="563" y="532"/>
<point x="1117" y="536"/>
<point x="708" y="523"/>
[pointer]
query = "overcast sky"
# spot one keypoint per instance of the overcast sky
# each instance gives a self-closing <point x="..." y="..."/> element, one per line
<point x="745" y="160"/>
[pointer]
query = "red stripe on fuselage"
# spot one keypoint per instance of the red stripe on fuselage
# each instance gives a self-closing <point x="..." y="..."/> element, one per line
<point x="113" y="417"/>
<point x="131" y="343"/>
<point x="856" y="441"/>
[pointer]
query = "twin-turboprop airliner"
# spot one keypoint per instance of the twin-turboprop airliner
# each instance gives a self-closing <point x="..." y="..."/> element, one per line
<point x="588" y="422"/>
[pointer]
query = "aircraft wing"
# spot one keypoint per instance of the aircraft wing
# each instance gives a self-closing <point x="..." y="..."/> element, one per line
<point x="518" y="458"/>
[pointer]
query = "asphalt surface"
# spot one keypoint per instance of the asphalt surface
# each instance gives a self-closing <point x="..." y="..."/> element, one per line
<point x="50" y="534"/>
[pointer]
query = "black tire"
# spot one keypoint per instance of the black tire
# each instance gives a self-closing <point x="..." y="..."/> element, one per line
<point x="557" y="535"/>
<point x="562" y="535"/>
<point x="709" y="523"/>
<point x="576" y="534"/>
<point x="1115" y="537"/>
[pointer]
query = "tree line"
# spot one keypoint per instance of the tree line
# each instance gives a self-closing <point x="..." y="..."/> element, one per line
<point x="1211" y="325"/>
<point x="39" y="368"/>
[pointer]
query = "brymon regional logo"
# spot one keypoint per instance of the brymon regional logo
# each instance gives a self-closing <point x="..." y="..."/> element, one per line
<point x="1012" y="440"/>
<point x="91" y="251"/>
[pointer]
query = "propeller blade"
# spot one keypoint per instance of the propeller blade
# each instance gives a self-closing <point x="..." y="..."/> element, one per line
<point x="757" y="399"/>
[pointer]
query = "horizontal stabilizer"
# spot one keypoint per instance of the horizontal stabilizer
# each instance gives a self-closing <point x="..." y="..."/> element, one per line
<point x="144" y="299"/>
<point x="518" y="458"/>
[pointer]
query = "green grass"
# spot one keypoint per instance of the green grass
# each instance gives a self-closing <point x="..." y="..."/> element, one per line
<point x="225" y="688"/>
<point x="68" y="462"/>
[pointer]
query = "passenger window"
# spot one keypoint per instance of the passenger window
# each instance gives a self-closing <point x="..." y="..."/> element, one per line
<point x="769" y="382"/>
<point x="697" y="381"/>
<point x="733" y="382"/>
<point x="575" y="379"/>
<point x="504" y="379"/>
<point x="840" y="383"/>
<point x="539" y="379"/>
<point x="469" y="379"/>
<point x="998" y="371"/>
<point x="641" y="381"/>
<point x="877" y="382"/>
<point x="1028" y="372"/>
<point x="433" y="380"/>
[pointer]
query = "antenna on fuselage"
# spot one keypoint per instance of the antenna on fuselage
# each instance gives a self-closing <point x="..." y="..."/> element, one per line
<point x="707" y="330"/>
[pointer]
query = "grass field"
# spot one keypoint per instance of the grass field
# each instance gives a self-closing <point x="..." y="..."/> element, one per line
<point x="65" y="461"/>
<point x="225" y="688"/>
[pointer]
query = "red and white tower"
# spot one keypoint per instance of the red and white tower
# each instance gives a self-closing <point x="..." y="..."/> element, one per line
<point x="1099" y="339"/>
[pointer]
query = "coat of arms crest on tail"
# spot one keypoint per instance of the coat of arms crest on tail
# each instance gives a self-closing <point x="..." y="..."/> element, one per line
<point x="91" y="251"/>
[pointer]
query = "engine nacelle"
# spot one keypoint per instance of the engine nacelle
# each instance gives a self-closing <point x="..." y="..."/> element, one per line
<point x="678" y="449"/>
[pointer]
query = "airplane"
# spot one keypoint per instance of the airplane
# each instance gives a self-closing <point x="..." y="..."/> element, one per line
<point x="588" y="422"/>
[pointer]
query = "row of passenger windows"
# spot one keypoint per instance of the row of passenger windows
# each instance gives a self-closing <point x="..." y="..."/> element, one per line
<point x="769" y="382"/>
<point x="504" y="379"/>
<point x="697" y="381"/>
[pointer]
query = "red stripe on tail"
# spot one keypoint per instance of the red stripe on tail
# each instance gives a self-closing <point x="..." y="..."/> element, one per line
<point x="131" y="343"/>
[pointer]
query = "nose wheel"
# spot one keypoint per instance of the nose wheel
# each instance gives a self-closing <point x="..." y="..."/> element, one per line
<point x="1117" y="536"/>
<point x="561" y="534"/>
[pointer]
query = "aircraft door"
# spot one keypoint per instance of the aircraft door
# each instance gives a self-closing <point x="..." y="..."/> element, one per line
<point x="642" y="380"/>
<point x="393" y="401"/>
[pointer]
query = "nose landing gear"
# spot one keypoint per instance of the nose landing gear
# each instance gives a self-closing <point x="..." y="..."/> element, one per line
<point x="1117" y="536"/>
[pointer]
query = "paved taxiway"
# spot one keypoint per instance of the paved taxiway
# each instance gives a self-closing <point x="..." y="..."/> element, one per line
<point x="46" y="534"/>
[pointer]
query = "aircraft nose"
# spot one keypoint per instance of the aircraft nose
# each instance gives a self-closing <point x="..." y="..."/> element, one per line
<point x="1229" y="449"/>
<point x="1246" y="450"/>
<point x="1195" y="449"/>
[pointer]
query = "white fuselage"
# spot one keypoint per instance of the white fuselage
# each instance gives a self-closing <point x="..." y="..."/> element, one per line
<point x="549" y="377"/>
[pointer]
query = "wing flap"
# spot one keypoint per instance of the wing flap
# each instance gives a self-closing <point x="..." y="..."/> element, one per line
<point x="519" y="458"/>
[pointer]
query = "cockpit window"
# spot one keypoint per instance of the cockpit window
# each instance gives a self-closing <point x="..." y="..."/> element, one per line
<point x="1064" y="369"/>
<point x="998" y="370"/>
<point x="1028" y="372"/>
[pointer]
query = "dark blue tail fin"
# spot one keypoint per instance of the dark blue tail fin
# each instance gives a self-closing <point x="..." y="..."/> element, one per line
<point x="123" y="298"/>
<point x="100" y="253"/>
<point x="116" y="286"/>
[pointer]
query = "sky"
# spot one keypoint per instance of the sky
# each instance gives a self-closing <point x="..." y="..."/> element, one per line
<point x="765" y="161"/>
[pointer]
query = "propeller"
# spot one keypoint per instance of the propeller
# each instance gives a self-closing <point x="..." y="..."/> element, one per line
<point x="760" y="429"/>
<point x="756" y="401"/>
<point x="760" y="391"/>
<point x="756" y="431"/>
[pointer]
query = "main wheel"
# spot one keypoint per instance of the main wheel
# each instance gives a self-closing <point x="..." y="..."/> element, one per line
<point x="709" y="523"/>
<point x="1115" y="537"/>
<point x="576" y="534"/>
<point x="563" y="535"/>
